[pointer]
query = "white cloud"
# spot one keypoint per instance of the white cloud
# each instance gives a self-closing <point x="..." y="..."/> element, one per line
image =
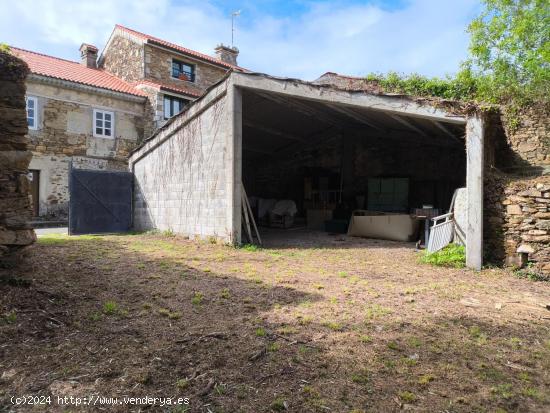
<point x="425" y="36"/>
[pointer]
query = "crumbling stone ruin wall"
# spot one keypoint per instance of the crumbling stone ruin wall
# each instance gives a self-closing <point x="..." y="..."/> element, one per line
<point x="518" y="220"/>
<point x="15" y="207"/>
<point x="528" y="136"/>
<point x="517" y="189"/>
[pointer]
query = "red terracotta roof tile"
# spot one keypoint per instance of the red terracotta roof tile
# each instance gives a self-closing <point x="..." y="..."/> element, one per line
<point x="160" y="42"/>
<point x="160" y="85"/>
<point x="57" y="68"/>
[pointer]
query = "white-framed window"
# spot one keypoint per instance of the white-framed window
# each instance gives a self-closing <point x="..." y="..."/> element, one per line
<point x="104" y="124"/>
<point x="32" y="112"/>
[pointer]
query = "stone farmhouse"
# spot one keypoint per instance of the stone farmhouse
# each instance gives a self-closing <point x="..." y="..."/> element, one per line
<point x="91" y="114"/>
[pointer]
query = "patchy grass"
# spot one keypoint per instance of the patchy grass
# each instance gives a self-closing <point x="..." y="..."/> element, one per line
<point x="198" y="298"/>
<point x="306" y="325"/>
<point x="10" y="317"/>
<point x="452" y="255"/>
<point x="407" y="396"/>
<point x="260" y="332"/>
<point x="250" y="247"/>
<point x="110" y="307"/>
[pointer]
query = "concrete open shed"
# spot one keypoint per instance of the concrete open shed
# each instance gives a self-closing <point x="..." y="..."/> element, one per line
<point x="272" y="133"/>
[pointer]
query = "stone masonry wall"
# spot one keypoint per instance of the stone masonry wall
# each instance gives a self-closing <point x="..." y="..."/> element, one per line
<point x="15" y="209"/>
<point x="124" y="58"/>
<point x="158" y="65"/>
<point x="517" y="184"/>
<point x="519" y="220"/>
<point x="529" y="136"/>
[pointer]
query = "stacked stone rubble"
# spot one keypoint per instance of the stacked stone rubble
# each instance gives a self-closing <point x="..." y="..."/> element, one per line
<point x="527" y="223"/>
<point x="15" y="208"/>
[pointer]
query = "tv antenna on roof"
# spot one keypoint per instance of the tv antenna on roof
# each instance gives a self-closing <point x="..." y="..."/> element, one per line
<point x="233" y="15"/>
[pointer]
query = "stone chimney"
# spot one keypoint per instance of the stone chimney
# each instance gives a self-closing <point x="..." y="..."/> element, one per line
<point x="88" y="55"/>
<point x="227" y="54"/>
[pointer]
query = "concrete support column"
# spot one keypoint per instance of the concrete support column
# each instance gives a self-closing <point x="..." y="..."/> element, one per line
<point x="234" y="157"/>
<point x="474" y="187"/>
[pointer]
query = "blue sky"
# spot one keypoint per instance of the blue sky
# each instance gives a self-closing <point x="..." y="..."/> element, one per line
<point x="300" y="39"/>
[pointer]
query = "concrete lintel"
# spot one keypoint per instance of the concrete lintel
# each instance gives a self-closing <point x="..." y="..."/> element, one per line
<point x="396" y="105"/>
<point x="474" y="188"/>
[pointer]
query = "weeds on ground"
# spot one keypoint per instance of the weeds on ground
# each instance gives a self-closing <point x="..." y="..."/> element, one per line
<point x="478" y="335"/>
<point x="407" y="396"/>
<point x="197" y="299"/>
<point x="10" y="317"/>
<point x="361" y="377"/>
<point x="260" y="332"/>
<point x="503" y="391"/>
<point x="172" y="315"/>
<point x="376" y="311"/>
<point x="531" y="273"/>
<point x="110" y="307"/>
<point x="425" y="379"/>
<point x="453" y="255"/>
<point x="250" y="247"/>
<point x="182" y="384"/>
<point x="333" y="325"/>
<point x="95" y="316"/>
<point x="278" y="405"/>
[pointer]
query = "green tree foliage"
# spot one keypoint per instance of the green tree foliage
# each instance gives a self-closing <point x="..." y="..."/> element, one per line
<point x="510" y="49"/>
<point x="509" y="58"/>
<point x="461" y="87"/>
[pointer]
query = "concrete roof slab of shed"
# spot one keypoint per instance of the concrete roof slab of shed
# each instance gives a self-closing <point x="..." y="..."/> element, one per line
<point x="392" y="105"/>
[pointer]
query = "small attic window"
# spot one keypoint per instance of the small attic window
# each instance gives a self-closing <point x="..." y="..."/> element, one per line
<point x="183" y="71"/>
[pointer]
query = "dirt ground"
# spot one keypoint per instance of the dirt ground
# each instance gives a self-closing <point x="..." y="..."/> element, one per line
<point x="311" y="323"/>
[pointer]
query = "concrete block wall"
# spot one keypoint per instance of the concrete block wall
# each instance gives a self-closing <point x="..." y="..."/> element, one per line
<point x="180" y="185"/>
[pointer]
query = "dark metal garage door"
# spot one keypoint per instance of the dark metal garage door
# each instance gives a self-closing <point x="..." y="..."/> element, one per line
<point x="100" y="201"/>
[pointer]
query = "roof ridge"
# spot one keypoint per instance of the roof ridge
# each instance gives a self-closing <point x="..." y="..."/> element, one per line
<point x="72" y="71"/>
<point x="75" y="62"/>
<point x="44" y="54"/>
